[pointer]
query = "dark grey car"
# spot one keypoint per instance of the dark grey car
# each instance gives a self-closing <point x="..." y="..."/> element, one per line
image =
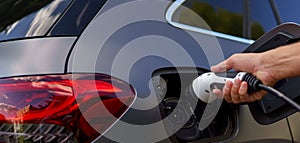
<point x="116" y="71"/>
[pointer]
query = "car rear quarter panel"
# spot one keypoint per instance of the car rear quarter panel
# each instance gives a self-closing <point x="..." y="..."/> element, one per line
<point x="34" y="56"/>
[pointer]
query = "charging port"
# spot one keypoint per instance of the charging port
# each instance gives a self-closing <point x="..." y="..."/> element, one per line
<point x="171" y="82"/>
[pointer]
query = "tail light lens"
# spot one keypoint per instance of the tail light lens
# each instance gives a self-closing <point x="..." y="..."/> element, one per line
<point x="61" y="108"/>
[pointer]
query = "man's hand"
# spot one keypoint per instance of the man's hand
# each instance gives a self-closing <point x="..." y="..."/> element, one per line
<point x="236" y="92"/>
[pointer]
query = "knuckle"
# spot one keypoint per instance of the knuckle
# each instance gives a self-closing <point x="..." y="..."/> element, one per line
<point x="235" y="101"/>
<point x="234" y="91"/>
<point x="226" y="91"/>
<point x="234" y="56"/>
<point x="227" y="98"/>
<point x="242" y="93"/>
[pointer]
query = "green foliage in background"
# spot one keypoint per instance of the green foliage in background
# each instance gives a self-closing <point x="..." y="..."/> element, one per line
<point x="220" y="20"/>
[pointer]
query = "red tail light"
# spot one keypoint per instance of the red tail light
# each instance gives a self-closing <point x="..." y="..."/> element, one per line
<point x="59" y="108"/>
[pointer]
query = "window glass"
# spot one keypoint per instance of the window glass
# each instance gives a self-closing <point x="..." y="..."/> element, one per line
<point x="262" y="18"/>
<point x="23" y="18"/>
<point x="221" y="16"/>
<point x="227" y="16"/>
<point x="78" y="16"/>
<point x="289" y="11"/>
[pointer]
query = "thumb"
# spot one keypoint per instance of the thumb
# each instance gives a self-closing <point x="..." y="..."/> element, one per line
<point x="221" y="67"/>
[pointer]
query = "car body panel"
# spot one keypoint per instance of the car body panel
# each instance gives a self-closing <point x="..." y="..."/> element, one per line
<point x="34" y="56"/>
<point x="295" y="124"/>
<point x="101" y="51"/>
<point x="250" y="130"/>
<point x="130" y="40"/>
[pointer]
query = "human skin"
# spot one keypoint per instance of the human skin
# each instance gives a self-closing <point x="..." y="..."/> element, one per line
<point x="270" y="67"/>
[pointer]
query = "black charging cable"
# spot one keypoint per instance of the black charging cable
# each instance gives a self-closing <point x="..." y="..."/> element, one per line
<point x="255" y="84"/>
<point x="279" y="95"/>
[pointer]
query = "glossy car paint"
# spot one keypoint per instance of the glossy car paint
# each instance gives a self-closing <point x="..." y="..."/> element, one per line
<point x="50" y="55"/>
<point x="34" y="56"/>
<point x="94" y="58"/>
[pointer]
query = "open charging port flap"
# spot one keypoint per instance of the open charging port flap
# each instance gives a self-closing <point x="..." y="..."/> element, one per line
<point x="169" y="83"/>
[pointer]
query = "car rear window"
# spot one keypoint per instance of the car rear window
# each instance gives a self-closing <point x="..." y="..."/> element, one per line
<point x="23" y="18"/>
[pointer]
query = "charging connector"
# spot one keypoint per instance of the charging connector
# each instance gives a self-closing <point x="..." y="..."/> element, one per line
<point x="204" y="84"/>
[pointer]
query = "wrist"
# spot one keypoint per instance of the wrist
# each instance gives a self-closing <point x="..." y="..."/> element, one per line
<point x="267" y="69"/>
<point x="280" y="63"/>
